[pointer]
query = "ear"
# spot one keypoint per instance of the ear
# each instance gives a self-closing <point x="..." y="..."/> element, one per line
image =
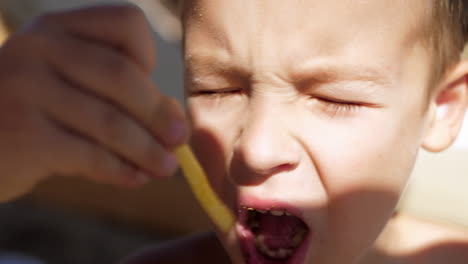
<point x="447" y="109"/>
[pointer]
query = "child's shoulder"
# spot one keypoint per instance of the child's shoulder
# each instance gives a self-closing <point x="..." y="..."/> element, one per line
<point x="200" y="248"/>
<point x="418" y="241"/>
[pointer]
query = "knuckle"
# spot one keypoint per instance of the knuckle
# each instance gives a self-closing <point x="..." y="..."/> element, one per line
<point x="165" y="100"/>
<point x="104" y="167"/>
<point x="167" y="111"/>
<point x="151" y="154"/>
<point x="162" y="111"/>
<point x="118" y="68"/>
<point x="164" y="105"/>
<point x="118" y="128"/>
<point x="172" y="101"/>
<point x="100" y="162"/>
<point x="113" y="122"/>
<point x="156" y="160"/>
<point x="136" y="32"/>
<point x="175" y="107"/>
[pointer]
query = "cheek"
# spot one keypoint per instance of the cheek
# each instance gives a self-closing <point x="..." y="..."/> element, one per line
<point x="212" y="140"/>
<point x="364" y="171"/>
<point x="377" y="158"/>
<point x="373" y="151"/>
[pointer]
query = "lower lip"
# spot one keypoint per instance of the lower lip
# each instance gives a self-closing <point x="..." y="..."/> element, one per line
<point x="253" y="256"/>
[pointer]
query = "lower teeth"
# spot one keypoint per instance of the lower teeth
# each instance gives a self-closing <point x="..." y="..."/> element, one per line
<point x="280" y="253"/>
<point x="261" y="245"/>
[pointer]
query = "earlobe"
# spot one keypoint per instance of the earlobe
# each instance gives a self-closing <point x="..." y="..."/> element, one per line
<point x="447" y="109"/>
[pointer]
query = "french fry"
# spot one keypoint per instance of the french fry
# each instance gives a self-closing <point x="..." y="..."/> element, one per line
<point x="202" y="190"/>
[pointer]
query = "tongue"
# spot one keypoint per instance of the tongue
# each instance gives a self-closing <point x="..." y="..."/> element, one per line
<point x="279" y="231"/>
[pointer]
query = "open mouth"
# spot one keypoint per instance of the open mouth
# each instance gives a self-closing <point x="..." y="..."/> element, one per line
<point x="272" y="236"/>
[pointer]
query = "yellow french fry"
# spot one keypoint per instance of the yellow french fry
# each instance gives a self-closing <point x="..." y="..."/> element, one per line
<point x="4" y="32"/>
<point x="202" y="190"/>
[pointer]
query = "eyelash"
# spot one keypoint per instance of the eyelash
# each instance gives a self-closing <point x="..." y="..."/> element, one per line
<point x="332" y="106"/>
<point x="335" y="106"/>
<point x="212" y="93"/>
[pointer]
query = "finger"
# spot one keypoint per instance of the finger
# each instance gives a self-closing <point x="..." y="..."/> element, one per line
<point x="108" y="126"/>
<point x="109" y="75"/>
<point x="123" y="27"/>
<point x="76" y="155"/>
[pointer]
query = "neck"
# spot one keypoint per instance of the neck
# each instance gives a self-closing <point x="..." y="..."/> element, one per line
<point x="385" y="246"/>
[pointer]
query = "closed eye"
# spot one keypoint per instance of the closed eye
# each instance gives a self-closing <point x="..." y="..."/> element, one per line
<point x="220" y="92"/>
<point x="336" y="106"/>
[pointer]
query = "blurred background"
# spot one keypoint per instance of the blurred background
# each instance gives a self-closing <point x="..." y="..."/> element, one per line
<point x="67" y="220"/>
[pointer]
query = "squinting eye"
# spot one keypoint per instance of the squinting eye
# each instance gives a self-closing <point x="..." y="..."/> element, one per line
<point x="222" y="92"/>
<point x="337" y="106"/>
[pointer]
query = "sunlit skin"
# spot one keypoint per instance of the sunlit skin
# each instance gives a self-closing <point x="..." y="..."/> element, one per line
<point x="321" y="105"/>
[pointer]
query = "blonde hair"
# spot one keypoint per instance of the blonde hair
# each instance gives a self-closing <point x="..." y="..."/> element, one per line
<point x="447" y="29"/>
<point x="448" y="34"/>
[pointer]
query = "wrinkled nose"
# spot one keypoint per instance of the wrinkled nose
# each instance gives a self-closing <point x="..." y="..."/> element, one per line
<point x="265" y="147"/>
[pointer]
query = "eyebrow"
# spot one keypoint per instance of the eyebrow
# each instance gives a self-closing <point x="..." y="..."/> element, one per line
<point x="206" y="65"/>
<point x="329" y="72"/>
<point x="315" y="73"/>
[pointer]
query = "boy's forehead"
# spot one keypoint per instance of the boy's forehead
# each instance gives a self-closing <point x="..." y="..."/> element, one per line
<point x="317" y="8"/>
<point x="285" y="30"/>
<point x="295" y="15"/>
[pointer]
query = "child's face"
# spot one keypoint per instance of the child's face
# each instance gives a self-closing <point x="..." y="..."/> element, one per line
<point x="316" y="108"/>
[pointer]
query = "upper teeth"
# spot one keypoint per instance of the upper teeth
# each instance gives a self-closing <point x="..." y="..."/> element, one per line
<point x="272" y="212"/>
<point x="277" y="213"/>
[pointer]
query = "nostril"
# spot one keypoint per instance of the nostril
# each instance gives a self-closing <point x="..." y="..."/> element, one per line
<point x="283" y="167"/>
<point x="286" y="167"/>
<point x="278" y="169"/>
